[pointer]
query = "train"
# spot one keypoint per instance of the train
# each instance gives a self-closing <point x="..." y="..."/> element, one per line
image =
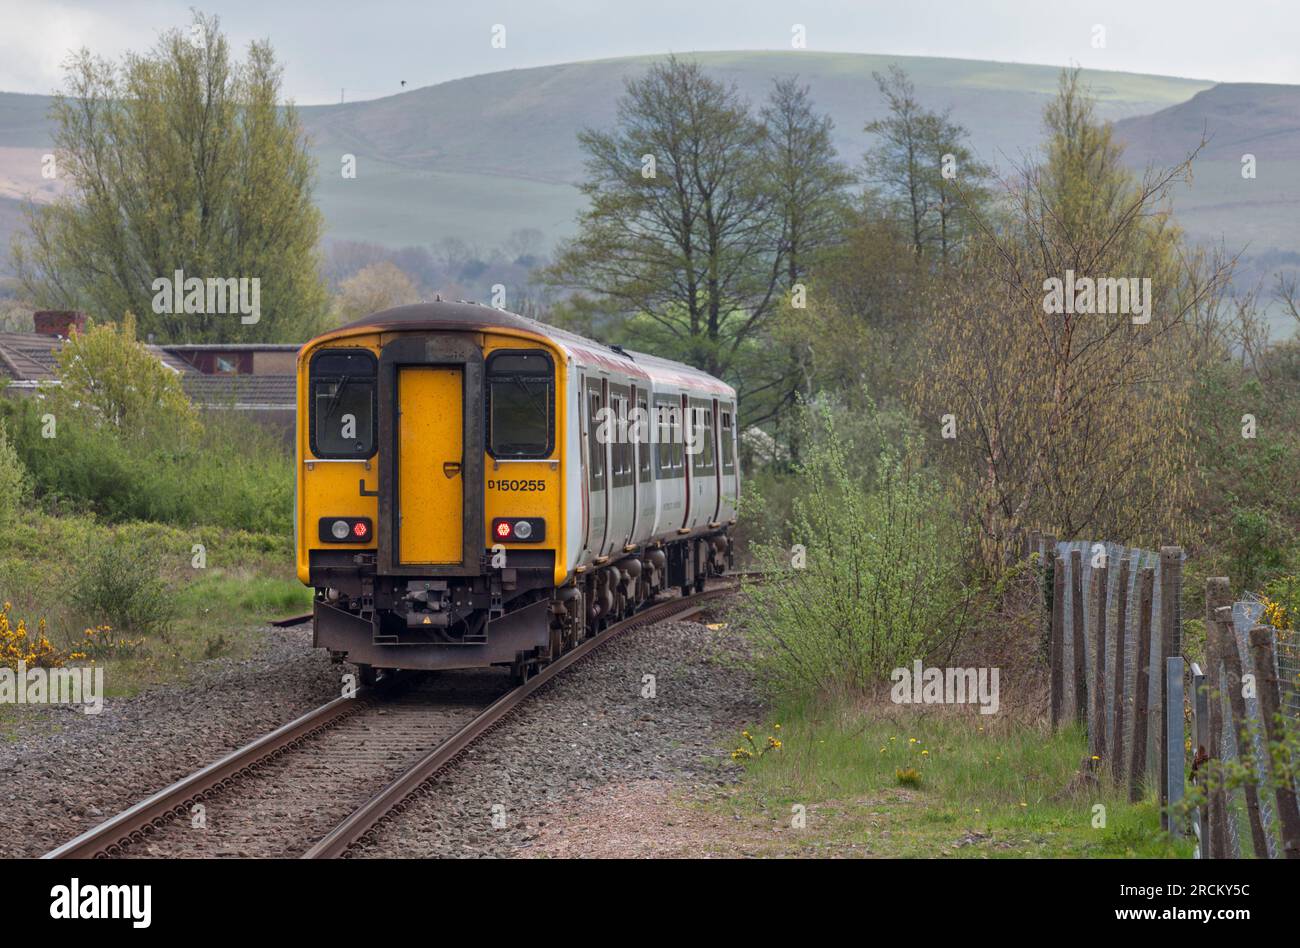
<point x="476" y="488"/>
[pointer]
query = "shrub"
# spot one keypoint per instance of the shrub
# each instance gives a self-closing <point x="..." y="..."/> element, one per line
<point x="111" y="380"/>
<point x="876" y="580"/>
<point x="20" y="644"/>
<point x="13" y="477"/>
<point x="118" y="583"/>
<point x="232" y="474"/>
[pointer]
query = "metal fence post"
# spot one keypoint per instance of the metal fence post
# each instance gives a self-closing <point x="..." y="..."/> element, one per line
<point x="1138" y="753"/>
<point x="1175" y="757"/>
<point x="1200" y="740"/>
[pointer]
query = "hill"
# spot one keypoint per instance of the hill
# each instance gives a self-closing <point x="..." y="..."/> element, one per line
<point x="479" y="157"/>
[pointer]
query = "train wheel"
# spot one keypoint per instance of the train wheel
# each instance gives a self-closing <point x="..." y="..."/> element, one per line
<point x="519" y="671"/>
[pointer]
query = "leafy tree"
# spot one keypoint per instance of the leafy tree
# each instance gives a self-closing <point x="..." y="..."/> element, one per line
<point x="179" y="159"/>
<point x="805" y="175"/>
<point x="689" y="250"/>
<point x="924" y="167"/>
<point x="1077" y="421"/>
<point x="808" y="183"/>
<point x="113" y="382"/>
<point x="373" y="288"/>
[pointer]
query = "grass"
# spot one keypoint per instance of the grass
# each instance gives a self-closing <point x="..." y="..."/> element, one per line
<point x="248" y="580"/>
<point x="898" y="783"/>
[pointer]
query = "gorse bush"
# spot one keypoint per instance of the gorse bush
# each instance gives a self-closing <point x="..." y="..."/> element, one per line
<point x="119" y="583"/>
<point x="873" y="577"/>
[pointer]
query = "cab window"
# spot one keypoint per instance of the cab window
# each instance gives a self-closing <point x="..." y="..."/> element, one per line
<point x="343" y="408"/>
<point x="521" y="400"/>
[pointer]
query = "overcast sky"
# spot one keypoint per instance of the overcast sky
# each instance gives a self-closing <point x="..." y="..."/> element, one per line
<point x="368" y="47"/>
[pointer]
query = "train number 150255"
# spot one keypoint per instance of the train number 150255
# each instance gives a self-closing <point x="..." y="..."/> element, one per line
<point x="513" y="485"/>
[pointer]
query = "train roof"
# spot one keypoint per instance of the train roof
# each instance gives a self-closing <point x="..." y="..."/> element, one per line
<point x="461" y="315"/>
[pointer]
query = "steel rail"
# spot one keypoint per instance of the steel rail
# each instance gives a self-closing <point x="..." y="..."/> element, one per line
<point x="131" y="825"/>
<point x="398" y="794"/>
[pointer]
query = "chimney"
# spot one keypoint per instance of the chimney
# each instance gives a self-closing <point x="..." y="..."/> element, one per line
<point x="59" y="322"/>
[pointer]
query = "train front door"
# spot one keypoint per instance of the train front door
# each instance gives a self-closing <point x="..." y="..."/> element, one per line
<point x="430" y="465"/>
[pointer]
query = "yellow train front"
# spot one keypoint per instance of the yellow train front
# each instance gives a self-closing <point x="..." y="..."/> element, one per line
<point x="476" y="488"/>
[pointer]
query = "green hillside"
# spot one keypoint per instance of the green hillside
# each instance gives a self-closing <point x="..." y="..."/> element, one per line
<point x="498" y="145"/>
<point x="476" y="158"/>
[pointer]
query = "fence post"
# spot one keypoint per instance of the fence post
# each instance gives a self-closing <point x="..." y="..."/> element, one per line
<point x="1217" y="595"/>
<point x="1058" y="638"/>
<point x="1264" y="660"/>
<point x="1200" y="724"/>
<point x="1171" y="643"/>
<point x="1175" y="757"/>
<point x="1078" y="651"/>
<point x="1241" y="725"/>
<point x="1138" y="755"/>
<point x="1101" y="581"/>
<point x="1121" y="617"/>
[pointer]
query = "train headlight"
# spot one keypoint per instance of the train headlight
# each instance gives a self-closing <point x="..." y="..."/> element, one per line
<point x="340" y="529"/>
<point x="523" y="530"/>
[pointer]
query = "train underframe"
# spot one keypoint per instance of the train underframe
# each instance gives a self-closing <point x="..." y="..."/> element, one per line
<point x="513" y="616"/>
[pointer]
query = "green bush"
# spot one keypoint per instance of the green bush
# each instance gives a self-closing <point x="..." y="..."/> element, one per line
<point x="13" y="477"/>
<point x="876" y="581"/>
<point x="231" y="474"/>
<point x="119" y="582"/>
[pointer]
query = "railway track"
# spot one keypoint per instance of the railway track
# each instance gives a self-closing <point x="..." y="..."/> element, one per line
<point x="317" y="786"/>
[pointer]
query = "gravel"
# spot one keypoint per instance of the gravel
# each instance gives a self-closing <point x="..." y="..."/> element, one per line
<point x="591" y="729"/>
<point x="68" y="770"/>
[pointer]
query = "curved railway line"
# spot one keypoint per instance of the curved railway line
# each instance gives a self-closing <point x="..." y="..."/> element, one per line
<point x="292" y="792"/>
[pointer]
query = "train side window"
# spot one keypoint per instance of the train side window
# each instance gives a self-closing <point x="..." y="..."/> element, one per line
<point x="595" y="449"/>
<point x="344" y="410"/>
<point x="520" y="404"/>
<point x="643" y="440"/>
<point x="622" y="449"/>
<point x="663" y="441"/>
<point x="679" y="440"/>
<point x="728" y="445"/>
<point x="702" y="422"/>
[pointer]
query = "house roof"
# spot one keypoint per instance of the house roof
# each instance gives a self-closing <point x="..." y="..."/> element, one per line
<point x="33" y="357"/>
<point x="28" y="356"/>
<point x="242" y="391"/>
